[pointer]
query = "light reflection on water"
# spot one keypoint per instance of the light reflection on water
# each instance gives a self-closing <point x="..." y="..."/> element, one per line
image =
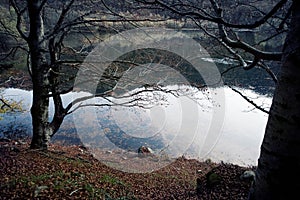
<point x="239" y="141"/>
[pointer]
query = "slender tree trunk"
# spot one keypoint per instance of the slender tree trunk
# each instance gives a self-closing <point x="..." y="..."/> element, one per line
<point x="40" y="104"/>
<point x="277" y="175"/>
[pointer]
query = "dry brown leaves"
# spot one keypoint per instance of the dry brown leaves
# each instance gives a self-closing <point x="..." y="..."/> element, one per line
<point x="70" y="172"/>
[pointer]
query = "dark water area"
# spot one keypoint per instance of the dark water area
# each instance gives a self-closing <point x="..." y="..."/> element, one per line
<point x="255" y="79"/>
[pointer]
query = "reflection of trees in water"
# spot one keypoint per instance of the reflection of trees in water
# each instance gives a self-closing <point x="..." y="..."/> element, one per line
<point x="255" y="79"/>
<point x="149" y="74"/>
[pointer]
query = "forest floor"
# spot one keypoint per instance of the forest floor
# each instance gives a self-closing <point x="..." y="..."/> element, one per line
<point x="71" y="172"/>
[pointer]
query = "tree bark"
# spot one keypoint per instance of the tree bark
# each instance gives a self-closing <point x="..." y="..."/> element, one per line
<point x="40" y="103"/>
<point x="277" y="174"/>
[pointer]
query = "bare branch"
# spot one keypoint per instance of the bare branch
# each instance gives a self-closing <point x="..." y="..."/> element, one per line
<point x="62" y="17"/>
<point x="249" y="100"/>
<point x="19" y="18"/>
<point x="271" y="37"/>
<point x="217" y="19"/>
<point x="269" y="71"/>
<point x="258" y="54"/>
<point x="281" y="25"/>
<point x="42" y="5"/>
<point x="228" y="48"/>
<point x="5" y="104"/>
<point x="12" y="52"/>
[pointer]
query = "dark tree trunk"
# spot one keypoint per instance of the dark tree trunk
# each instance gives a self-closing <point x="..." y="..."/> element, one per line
<point x="40" y="104"/>
<point x="277" y="175"/>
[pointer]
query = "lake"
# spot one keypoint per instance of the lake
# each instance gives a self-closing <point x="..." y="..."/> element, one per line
<point x="182" y="126"/>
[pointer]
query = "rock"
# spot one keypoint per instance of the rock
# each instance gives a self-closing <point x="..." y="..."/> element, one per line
<point x="248" y="175"/>
<point x="212" y="179"/>
<point x="108" y="152"/>
<point x="81" y="147"/>
<point x="144" y="151"/>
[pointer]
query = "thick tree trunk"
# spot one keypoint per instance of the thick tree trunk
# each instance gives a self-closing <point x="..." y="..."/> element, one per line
<point x="39" y="113"/>
<point x="40" y="104"/>
<point x="277" y="175"/>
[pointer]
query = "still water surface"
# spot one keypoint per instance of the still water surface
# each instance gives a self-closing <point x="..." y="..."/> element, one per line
<point x="238" y="142"/>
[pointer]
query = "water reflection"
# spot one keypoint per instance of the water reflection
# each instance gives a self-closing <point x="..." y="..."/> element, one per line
<point x="239" y="140"/>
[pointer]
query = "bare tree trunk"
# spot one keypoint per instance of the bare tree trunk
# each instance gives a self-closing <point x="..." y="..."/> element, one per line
<point x="277" y="175"/>
<point x="40" y="104"/>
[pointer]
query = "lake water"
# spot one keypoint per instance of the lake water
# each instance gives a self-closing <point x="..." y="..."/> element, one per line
<point x="180" y="127"/>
